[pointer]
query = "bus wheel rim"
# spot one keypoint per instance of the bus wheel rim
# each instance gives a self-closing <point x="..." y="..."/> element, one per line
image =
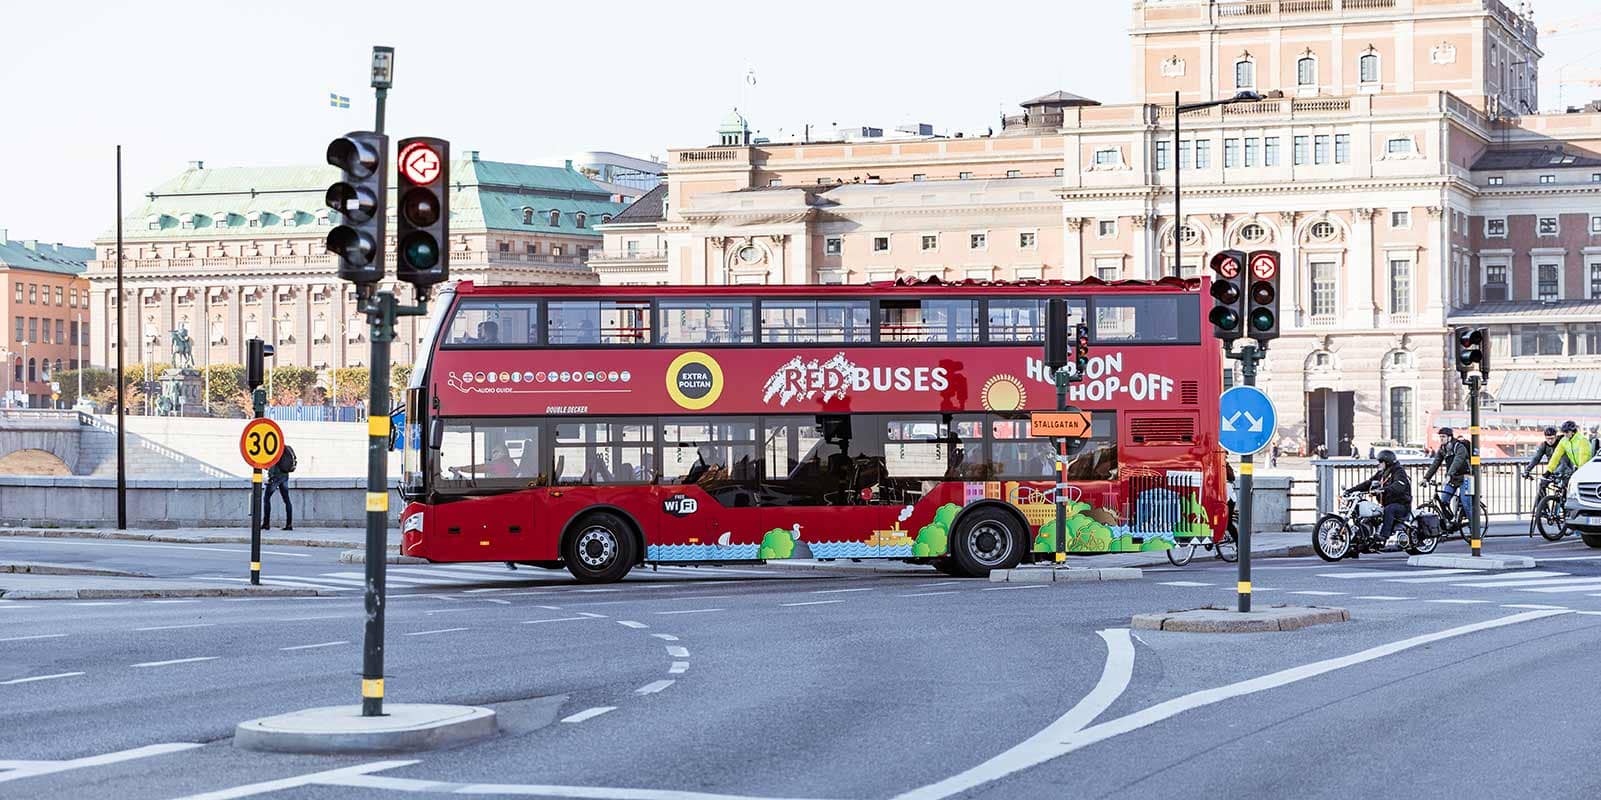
<point x="596" y="546"/>
<point x="989" y="543"/>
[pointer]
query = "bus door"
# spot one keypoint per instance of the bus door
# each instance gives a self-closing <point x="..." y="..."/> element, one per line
<point x="484" y="465"/>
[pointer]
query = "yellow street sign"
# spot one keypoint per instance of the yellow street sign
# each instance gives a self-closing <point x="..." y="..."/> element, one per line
<point x="262" y="443"/>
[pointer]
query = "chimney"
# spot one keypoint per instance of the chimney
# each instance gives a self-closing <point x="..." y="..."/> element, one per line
<point x="31" y="244"/>
<point x="569" y="165"/>
<point x="472" y="155"/>
<point x="194" y="165"/>
<point x="3" y="238"/>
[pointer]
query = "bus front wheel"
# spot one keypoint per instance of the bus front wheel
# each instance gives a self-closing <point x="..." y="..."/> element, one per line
<point x="986" y="539"/>
<point x="600" y="549"/>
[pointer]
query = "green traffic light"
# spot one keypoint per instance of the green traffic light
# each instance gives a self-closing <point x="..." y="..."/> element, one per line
<point x="1225" y="318"/>
<point x="1262" y="320"/>
<point x="420" y="251"/>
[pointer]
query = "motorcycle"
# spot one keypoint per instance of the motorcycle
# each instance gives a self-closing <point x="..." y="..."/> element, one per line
<point x="1354" y="529"/>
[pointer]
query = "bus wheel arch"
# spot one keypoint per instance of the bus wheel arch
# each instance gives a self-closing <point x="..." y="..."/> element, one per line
<point x="611" y="541"/>
<point x="971" y="549"/>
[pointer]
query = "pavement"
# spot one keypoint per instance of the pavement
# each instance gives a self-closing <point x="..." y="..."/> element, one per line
<point x="749" y="683"/>
<point x="298" y="537"/>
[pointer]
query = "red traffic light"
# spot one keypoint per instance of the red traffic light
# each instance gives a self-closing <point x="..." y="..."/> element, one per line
<point x="420" y="163"/>
<point x="1226" y="265"/>
<point x="1264" y="265"/>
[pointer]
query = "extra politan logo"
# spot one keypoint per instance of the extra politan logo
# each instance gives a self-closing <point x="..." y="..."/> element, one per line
<point x="694" y="380"/>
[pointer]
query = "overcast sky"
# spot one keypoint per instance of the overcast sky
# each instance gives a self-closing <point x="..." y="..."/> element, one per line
<point x="247" y="83"/>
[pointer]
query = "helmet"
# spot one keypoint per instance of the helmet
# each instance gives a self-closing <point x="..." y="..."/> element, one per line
<point x="1388" y="458"/>
<point x="1445" y="431"/>
<point x="1550" y="431"/>
<point x="1570" y="426"/>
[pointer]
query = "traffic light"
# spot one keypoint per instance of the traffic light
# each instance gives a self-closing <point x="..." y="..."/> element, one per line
<point x="359" y="197"/>
<point x="1055" y="334"/>
<point x="1262" y="297"/>
<point x="256" y="354"/>
<point x="1081" y="350"/>
<point x="1469" y="352"/>
<point x="1228" y="298"/>
<point x="422" y="227"/>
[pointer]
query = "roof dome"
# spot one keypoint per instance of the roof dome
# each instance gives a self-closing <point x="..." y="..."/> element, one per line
<point x="734" y="121"/>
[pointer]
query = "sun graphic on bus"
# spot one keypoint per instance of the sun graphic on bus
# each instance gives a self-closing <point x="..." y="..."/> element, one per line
<point x="1003" y="393"/>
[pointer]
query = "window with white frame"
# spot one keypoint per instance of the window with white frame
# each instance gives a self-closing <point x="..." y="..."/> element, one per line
<point x="1548" y="226"/>
<point x="1401" y="414"/>
<point x="1595" y="281"/>
<point x="1231" y="153"/>
<point x="1106" y="228"/>
<point x="1245" y="74"/>
<point x="1368" y="68"/>
<point x="1495" y="283"/>
<point x="1400" y="219"/>
<point x="1322" y="230"/>
<point x="1324" y="289"/>
<point x="1496" y="180"/>
<point x="1270" y="151"/>
<point x="1548" y="179"/>
<point x="1548" y="282"/>
<point x="1025" y="240"/>
<point x="832" y="245"/>
<point x="1595" y="224"/>
<point x="977" y="241"/>
<point x="1495" y="226"/>
<point x="1253" y="232"/>
<point x="1014" y="173"/>
<point x="775" y="181"/>
<point x="1398" y="146"/>
<point x="1306" y="71"/>
<point x="1106" y="157"/>
<point x="1400" y="286"/>
<point x="1163" y="154"/>
<point x="964" y="175"/>
<point x="1108" y="269"/>
<point x="930" y="242"/>
<point x="881" y="244"/>
<point x="1203" y="154"/>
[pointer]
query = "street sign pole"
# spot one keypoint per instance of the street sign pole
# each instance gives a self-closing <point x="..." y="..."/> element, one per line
<point x="1246" y="445"/>
<point x="258" y="401"/>
<point x="381" y="318"/>
<point x="1063" y="378"/>
<point x="1475" y="530"/>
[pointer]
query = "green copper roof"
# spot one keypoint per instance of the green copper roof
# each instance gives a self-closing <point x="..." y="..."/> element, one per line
<point x="44" y="257"/>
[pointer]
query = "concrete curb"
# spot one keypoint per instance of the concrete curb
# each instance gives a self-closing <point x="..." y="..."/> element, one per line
<point x="1049" y="574"/>
<point x="405" y="727"/>
<point x="94" y="533"/>
<point x="145" y="594"/>
<point x="360" y="557"/>
<point x="1222" y="620"/>
<point x="1469" y="562"/>
<point x="40" y="568"/>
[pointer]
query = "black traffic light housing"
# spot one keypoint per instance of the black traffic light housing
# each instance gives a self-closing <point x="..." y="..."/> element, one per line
<point x="422" y="222"/>
<point x="1081" y="350"/>
<point x="359" y="197"/>
<point x="256" y="354"/>
<point x="1470" y="351"/>
<point x="1228" y="295"/>
<point x="1262" y="296"/>
<point x="1056" y="333"/>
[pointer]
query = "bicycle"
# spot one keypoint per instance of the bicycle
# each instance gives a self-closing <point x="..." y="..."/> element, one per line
<point x="1228" y="549"/>
<point x="1450" y="526"/>
<point x="1549" y="503"/>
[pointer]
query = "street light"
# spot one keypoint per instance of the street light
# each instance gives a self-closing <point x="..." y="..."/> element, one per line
<point x="1178" y="108"/>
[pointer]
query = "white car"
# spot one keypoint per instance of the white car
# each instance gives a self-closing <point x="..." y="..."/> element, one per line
<point x="1584" y="503"/>
<point x="1408" y="452"/>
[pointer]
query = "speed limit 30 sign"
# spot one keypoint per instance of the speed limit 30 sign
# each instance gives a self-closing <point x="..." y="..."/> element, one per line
<point x="262" y="443"/>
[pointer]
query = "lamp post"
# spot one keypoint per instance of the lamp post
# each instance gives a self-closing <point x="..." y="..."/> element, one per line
<point x="1178" y="216"/>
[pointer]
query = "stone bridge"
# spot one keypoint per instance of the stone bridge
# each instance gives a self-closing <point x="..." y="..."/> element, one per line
<point x="87" y="445"/>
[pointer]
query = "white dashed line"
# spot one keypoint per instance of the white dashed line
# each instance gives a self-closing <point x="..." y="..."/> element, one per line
<point x="937" y="583"/>
<point x="118" y="603"/>
<point x="680" y="667"/>
<point x="1382" y="597"/>
<point x="1316" y="593"/>
<point x="555" y="619"/>
<point x="838" y="591"/>
<point x="177" y="661"/>
<point x="1457" y="602"/>
<point x="692" y="611"/>
<point x="628" y="623"/>
<point x="1009" y="588"/>
<point x="176" y="627"/>
<point x="813" y="603"/>
<point x="1184" y="583"/>
<point x="927" y="594"/>
<point x="40" y="678"/>
<point x="589" y="713"/>
<point x="176" y="602"/>
<point x="666" y="637"/>
<point x="430" y="633"/>
<point x="1589" y="613"/>
<point x="36" y="636"/>
<point x="1534" y="606"/>
<point x="591" y="615"/>
<point x="312" y="646"/>
<point x="678" y="652"/>
<point x="655" y="686"/>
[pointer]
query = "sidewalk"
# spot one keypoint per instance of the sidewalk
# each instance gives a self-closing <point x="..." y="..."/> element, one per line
<point x="299" y="537"/>
<point x="14" y="586"/>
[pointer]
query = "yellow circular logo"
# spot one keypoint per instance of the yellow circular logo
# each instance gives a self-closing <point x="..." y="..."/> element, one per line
<point x="694" y="380"/>
<point x="1003" y="393"/>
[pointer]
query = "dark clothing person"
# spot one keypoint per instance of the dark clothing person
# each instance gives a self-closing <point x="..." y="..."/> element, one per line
<point x="278" y="479"/>
<point x="1454" y="457"/>
<point x="1394" y="489"/>
<point x="1542" y="455"/>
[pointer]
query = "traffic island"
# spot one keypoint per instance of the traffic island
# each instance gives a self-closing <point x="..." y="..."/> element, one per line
<point x="1213" y="619"/>
<point x="1471" y="562"/>
<point x="404" y="728"/>
<point x="1053" y="574"/>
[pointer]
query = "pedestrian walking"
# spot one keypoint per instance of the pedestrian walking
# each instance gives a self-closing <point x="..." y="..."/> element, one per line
<point x="1273" y="457"/>
<point x="278" y="478"/>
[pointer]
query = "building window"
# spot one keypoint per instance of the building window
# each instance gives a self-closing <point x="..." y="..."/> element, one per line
<point x="1401" y="414"/>
<point x="505" y="247"/>
<point x="1400" y="219"/>
<point x="1320" y="150"/>
<point x="1595" y="224"/>
<point x="1303" y="149"/>
<point x="1108" y="269"/>
<point x="555" y="251"/>
<point x="775" y="182"/>
<point x="881" y="244"/>
<point x="1368" y="68"/>
<point x="1584" y="339"/>
<point x="1253" y="232"/>
<point x="1244" y="74"/>
<point x="1400" y="286"/>
<point x="1106" y="228"/>
<point x="1306" y="71"/>
<point x="1539" y="340"/>
<point x="1106" y="156"/>
<point x="831" y="246"/>
<point x="1548" y="282"/>
<point x="1548" y="226"/>
<point x="964" y="175"/>
<point x="1203" y="154"/>
<point x="1186" y="147"/>
<point x="1250" y="152"/>
<point x="1495" y="227"/>
<point x="532" y="248"/>
<point x="1025" y="241"/>
<point x="33" y="329"/>
<point x="1496" y="180"/>
<point x="1342" y="148"/>
<point x="1595" y="281"/>
<point x="58" y="295"/>
<point x="61" y="332"/>
<point x="977" y="241"/>
<point x="1323" y="289"/>
<point x="1163" y="155"/>
<point x="33" y="293"/>
<point x="1014" y="173"/>
<point x="73" y="329"/>
<point x="930" y="242"/>
<point x="555" y="218"/>
<point x="581" y="219"/>
<point x="1495" y="285"/>
<point x="1231" y="153"/>
<point x="1057" y="172"/>
<point x="1398" y="146"/>
<point x="1548" y="179"/>
<point x="1322" y="230"/>
<point x="19" y="292"/>
<point x="1270" y="151"/>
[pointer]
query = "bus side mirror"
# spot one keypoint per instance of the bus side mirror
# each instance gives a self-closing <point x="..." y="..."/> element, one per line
<point x="436" y="434"/>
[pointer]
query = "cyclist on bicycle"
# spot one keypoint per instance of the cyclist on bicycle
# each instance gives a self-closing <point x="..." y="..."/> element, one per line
<point x="1573" y="450"/>
<point x="1395" y="493"/>
<point x="1543" y="454"/>
<point x="1453" y="455"/>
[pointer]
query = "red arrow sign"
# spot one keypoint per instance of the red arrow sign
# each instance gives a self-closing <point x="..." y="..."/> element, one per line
<point x="420" y="163"/>
<point x="1264" y="266"/>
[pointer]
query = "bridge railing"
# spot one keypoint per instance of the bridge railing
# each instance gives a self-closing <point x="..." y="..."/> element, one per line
<point x="1504" y="492"/>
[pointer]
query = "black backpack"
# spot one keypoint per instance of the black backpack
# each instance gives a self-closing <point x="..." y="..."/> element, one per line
<point x="288" y="463"/>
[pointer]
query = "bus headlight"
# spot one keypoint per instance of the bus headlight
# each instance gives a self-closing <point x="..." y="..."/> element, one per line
<point x="412" y="523"/>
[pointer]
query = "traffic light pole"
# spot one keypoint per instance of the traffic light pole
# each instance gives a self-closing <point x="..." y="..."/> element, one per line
<point x="258" y="400"/>
<point x="1063" y="378"/>
<point x="1248" y="357"/>
<point x="1475" y="529"/>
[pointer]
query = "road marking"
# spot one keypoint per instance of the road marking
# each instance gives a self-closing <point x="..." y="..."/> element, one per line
<point x="1042" y="748"/>
<point x="314" y="646"/>
<point x="1532" y="578"/>
<point x="1382" y="597"/>
<point x="490" y="589"/>
<point x="1436" y="577"/>
<point x="1457" y="602"/>
<point x="628" y="623"/>
<point x="1009" y="588"/>
<point x="1315" y="593"/>
<point x="81" y="543"/>
<point x="333" y="777"/>
<point x="813" y="603"/>
<point x="588" y="713"/>
<point x="666" y="637"/>
<point x="1572" y="558"/>
<point x="655" y="686"/>
<point x="680" y="667"/>
<point x="927" y="594"/>
<point x="556" y="619"/>
<point x="177" y="661"/>
<point x="35" y="636"/>
<point x="678" y="652"/>
<point x="691" y="611"/>
<point x="41" y="678"/>
<point x="1357" y="573"/>
<point x="591" y="615"/>
<point x="1534" y="606"/>
<point x="1184" y="583"/>
<point x="29" y="769"/>
<point x="1589" y="613"/>
<point x="173" y="602"/>
<point x="177" y="627"/>
<point x="589" y="591"/>
<point x="440" y="630"/>
<point x="838" y="591"/>
<point x="117" y="603"/>
<point x="1563" y="589"/>
<point x="937" y="583"/>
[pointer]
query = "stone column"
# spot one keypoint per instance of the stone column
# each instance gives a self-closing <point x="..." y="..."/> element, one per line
<point x="1439" y="277"/>
<point x="1359" y="270"/>
<point x="1294" y="274"/>
<point x="1072" y="250"/>
<point x="1141" y="267"/>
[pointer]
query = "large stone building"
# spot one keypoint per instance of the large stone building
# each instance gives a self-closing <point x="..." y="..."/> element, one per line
<point x="1394" y="161"/>
<point x="238" y="252"/>
<point x="46" y="316"/>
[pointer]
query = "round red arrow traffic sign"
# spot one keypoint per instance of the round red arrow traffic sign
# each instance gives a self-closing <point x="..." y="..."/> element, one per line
<point x="1264" y="266"/>
<point x="420" y="163"/>
<point x="1227" y="267"/>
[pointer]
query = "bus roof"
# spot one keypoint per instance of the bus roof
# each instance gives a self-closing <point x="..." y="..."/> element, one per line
<point x="903" y="286"/>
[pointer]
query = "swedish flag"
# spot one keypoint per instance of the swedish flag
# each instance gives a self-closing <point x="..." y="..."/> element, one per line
<point x="338" y="100"/>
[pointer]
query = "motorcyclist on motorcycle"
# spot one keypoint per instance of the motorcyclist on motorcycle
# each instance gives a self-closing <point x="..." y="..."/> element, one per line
<point x="1454" y="455"/>
<point x="1395" y="493"/>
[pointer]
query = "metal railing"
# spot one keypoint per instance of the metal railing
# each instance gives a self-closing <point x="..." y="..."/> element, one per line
<point x="1504" y="492"/>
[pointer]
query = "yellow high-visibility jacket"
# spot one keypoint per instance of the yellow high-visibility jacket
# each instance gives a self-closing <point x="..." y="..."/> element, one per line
<point x="1575" y="448"/>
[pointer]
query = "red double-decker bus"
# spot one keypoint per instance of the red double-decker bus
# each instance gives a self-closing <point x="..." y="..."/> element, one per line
<point x="598" y="428"/>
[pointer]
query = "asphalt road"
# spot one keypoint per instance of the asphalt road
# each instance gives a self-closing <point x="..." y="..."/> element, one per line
<point x="747" y="682"/>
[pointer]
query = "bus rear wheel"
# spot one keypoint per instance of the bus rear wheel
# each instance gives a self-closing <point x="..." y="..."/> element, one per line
<point x="600" y="549"/>
<point x="986" y="539"/>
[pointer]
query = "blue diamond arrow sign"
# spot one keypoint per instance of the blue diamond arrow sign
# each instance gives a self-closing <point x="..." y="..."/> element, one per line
<point x="1246" y="420"/>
